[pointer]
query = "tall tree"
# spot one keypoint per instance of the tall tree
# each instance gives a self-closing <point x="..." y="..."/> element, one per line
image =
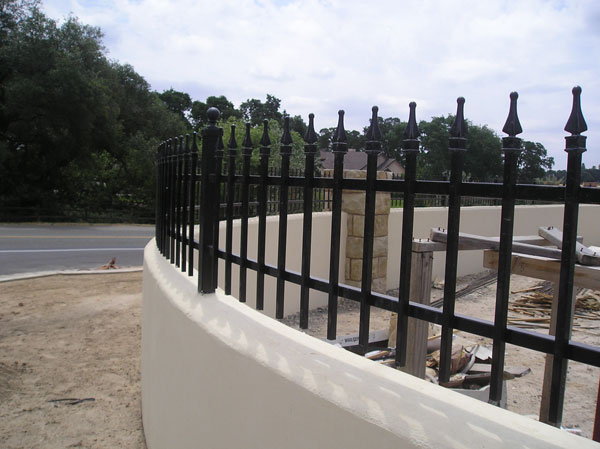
<point x="256" y="111"/>
<point x="533" y="162"/>
<point x="199" y="108"/>
<point x="178" y="102"/>
<point x="483" y="160"/>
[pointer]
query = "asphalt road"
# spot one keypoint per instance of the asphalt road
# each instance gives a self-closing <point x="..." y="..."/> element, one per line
<point x="31" y="248"/>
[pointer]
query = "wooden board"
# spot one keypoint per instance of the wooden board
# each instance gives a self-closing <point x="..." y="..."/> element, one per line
<point x="544" y="268"/>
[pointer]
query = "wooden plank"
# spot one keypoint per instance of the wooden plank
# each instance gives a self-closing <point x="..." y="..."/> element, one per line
<point x="544" y="268"/>
<point x="547" y="383"/>
<point x="585" y="255"/>
<point x="473" y="242"/>
<point x="418" y="330"/>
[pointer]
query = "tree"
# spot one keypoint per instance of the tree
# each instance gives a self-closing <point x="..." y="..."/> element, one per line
<point x="483" y="158"/>
<point x="255" y="111"/>
<point x="199" y="108"/>
<point x="178" y="102"/>
<point x="533" y="162"/>
<point x="76" y="130"/>
<point x="275" y="132"/>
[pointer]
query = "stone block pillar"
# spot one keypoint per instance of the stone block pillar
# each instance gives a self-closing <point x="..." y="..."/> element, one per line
<point x="353" y="203"/>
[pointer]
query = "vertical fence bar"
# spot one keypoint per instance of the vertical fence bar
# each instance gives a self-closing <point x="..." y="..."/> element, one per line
<point x="217" y="205"/>
<point x="265" y="151"/>
<point x="185" y="203"/>
<point x="310" y="150"/>
<point x="511" y="147"/>
<point x="373" y="148"/>
<point x="410" y="149"/>
<point x="206" y="268"/>
<point x="575" y="147"/>
<point x="232" y="146"/>
<point x="192" y="202"/>
<point x="339" y="148"/>
<point x="457" y="147"/>
<point x="178" y="192"/>
<point x="173" y="226"/>
<point x="286" y="151"/>
<point x="171" y="207"/>
<point x="246" y="155"/>
<point x="159" y="191"/>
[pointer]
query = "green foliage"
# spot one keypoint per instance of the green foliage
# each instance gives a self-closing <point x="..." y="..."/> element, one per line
<point x="483" y="159"/>
<point x="255" y="111"/>
<point x="199" y="108"/>
<point x="177" y="102"/>
<point x="533" y="162"/>
<point x="275" y="132"/>
<point x="75" y="128"/>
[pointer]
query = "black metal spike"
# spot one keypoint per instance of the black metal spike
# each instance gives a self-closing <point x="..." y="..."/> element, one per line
<point x="459" y="126"/>
<point x="311" y="136"/>
<point x="286" y="137"/>
<point x="374" y="134"/>
<point x="232" y="144"/>
<point x="180" y="148"/>
<point x="512" y="127"/>
<point x="412" y="130"/>
<point x="576" y="123"/>
<point x="220" y="145"/>
<point x="265" y="141"/>
<point x="187" y="143"/>
<point x="194" y="142"/>
<point x="340" y="132"/>
<point x="247" y="143"/>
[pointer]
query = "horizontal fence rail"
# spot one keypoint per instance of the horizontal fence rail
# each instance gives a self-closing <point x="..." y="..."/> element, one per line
<point x="198" y="189"/>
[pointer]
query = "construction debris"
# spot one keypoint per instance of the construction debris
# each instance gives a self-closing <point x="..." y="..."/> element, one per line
<point x="537" y="306"/>
<point x="111" y="265"/>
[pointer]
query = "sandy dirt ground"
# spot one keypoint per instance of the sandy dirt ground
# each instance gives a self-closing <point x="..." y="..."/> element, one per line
<point x="70" y="360"/>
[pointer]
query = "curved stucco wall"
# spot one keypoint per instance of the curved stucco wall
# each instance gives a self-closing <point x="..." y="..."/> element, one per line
<point x="217" y="374"/>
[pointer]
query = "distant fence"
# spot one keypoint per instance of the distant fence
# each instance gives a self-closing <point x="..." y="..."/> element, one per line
<point x="184" y="182"/>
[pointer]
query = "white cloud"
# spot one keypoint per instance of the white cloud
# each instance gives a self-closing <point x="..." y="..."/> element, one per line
<point x="321" y="56"/>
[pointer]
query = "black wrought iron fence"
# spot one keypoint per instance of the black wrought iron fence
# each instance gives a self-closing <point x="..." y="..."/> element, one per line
<point x="190" y="193"/>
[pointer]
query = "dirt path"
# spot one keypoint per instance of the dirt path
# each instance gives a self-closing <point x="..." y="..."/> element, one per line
<point x="71" y="337"/>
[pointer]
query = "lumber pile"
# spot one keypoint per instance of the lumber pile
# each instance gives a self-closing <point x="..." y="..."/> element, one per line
<point x="537" y="306"/>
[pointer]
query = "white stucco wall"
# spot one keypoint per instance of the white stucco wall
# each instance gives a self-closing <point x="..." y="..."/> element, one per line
<point x="218" y="374"/>
<point x="482" y="221"/>
<point x="319" y="261"/>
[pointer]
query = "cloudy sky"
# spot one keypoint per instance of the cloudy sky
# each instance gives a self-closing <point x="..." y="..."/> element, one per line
<point x="323" y="55"/>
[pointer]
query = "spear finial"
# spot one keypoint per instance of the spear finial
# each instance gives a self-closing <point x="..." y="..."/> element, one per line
<point x="232" y="144"/>
<point x="410" y="143"/>
<point x="286" y="137"/>
<point x="576" y="123"/>
<point x="247" y="143"/>
<point x="374" y="134"/>
<point x="311" y="136"/>
<point x="339" y="137"/>
<point x="512" y="127"/>
<point x="265" y="141"/>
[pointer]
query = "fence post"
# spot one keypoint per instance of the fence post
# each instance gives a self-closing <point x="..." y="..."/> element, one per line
<point x="410" y="149"/>
<point x="457" y="147"/>
<point x="575" y="147"/>
<point x="511" y="147"/>
<point x="208" y="196"/>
